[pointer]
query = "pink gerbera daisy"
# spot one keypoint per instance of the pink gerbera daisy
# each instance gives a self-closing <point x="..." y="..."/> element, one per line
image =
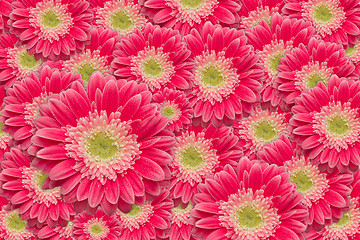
<point x="227" y="80"/>
<point x="326" y="195"/>
<point x="180" y="223"/>
<point x="199" y="152"/>
<point x="22" y="105"/>
<point x="121" y="15"/>
<point x="334" y="20"/>
<point x="15" y="61"/>
<point x="260" y="128"/>
<point x="149" y="220"/>
<point x="252" y="12"/>
<point x="185" y="15"/>
<point x="26" y="188"/>
<point x="96" y="56"/>
<point x="12" y="227"/>
<point x="51" y="29"/>
<point x="106" y="146"/>
<point x="302" y="68"/>
<point x="58" y="232"/>
<point x="156" y="56"/>
<point x="253" y="201"/>
<point x="348" y="227"/>
<point x="176" y="107"/>
<point x="271" y="41"/>
<point x="326" y="124"/>
<point x="96" y="227"/>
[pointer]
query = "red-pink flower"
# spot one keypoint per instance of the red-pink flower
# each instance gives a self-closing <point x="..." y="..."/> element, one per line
<point x="12" y="227"/>
<point x="96" y="227"/>
<point x="22" y="105"/>
<point x="176" y="107"/>
<point x="334" y="20"/>
<point x="53" y="29"/>
<point x="271" y="41"/>
<point x="181" y="228"/>
<point x="197" y="153"/>
<point x="156" y="56"/>
<point x="302" y="68"/>
<point x="146" y="221"/>
<point x="4" y="16"/>
<point x="58" y="232"/>
<point x="353" y="52"/>
<point x="123" y="16"/>
<point x="227" y="78"/>
<point x="26" y="187"/>
<point x="15" y="61"/>
<point x="326" y="195"/>
<point x="252" y="12"/>
<point x="185" y="15"/>
<point x="253" y="201"/>
<point x="106" y="147"/>
<point x="260" y="128"/>
<point x="96" y="56"/>
<point x="326" y="124"/>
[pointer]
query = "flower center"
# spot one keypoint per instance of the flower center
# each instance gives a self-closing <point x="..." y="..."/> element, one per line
<point x="135" y="210"/>
<point x="274" y="62"/>
<point x="137" y="217"/>
<point x="167" y="112"/>
<point x="323" y="13"/>
<point x="338" y="125"/>
<point x="181" y="215"/>
<point x="265" y="131"/>
<point x="314" y="79"/>
<point x="50" y="19"/>
<point x="303" y="182"/>
<point x="96" y="229"/>
<point x="152" y="68"/>
<point x="102" y="146"/>
<point x="248" y="217"/>
<point x="15" y="223"/>
<point x="191" y="3"/>
<point x="120" y="20"/>
<point x="85" y="71"/>
<point x="212" y="77"/>
<point x="28" y="61"/>
<point x="192" y="157"/>
<point x="41" y="177"/>
<point x="343" y="220"/>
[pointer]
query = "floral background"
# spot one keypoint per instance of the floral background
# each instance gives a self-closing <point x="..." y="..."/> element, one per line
<point x="179" y="119"/>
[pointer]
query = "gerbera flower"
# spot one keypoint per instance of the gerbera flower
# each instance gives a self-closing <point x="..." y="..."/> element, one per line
<point x="326" y="195"/>
<point x="97" y="56"/>
<point x="180" y="223"/>
<point x="123" y="16"/>
<point x="252" y="12"/>
<point x="58" y="232"/>
<point x="149" y="220"/>
<point x="302" y="68"/>
<point x="51" y="29"/>
<point x="22" y="105"/>
<point x="12" y="227"/>
<point x="227" y="79"/>
<point x="26" y="188"/>
<point x="326" y="124"/>
<point x="334" y="20"/>
<point x="260" y="128"/>
<point x="354" y="54"/>
<point x="253" y="201"/>
<point x="176" y="107"/>
<point x="271" y="41"/>
<point x="197" y="153"/>
<point x="348" y="227"/>
<point x="185" y="15"/>
<point x="15" y="61"/>
<point x="96" y="227"/>
<point x="156" y="56"/>
<point x="104" y="147"/>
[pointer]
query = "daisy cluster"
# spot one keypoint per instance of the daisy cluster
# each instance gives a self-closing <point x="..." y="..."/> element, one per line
<point x="180" y="119"/>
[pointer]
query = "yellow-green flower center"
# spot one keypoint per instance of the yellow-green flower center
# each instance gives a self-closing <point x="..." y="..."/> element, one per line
<point x="212" y="77"/>
<point x="275" y="62"/>
<point x="102" y="146"/>
<point x="192" y="157"/>
<point x="85" y="71"/>
<point x="41" y="177"/>
<point x="28" y="61"/>
<point x="338" y="125"/>
<point x="15" y="223"/>
<point x="152" y="68"/>
<point x="191" y="3"/>
<point x="135" y="210"/>
<point x="96" y="229"/>
<point x="167" y="112"/>
<point x="323" y="13"/>
<point x="50" y="19"/>
<point x="264" y="131"/>
<point x="121" y="21"/>
<point x="314" y="79"/>
<point x="248" y="217"/>
<point x="302" y="180"/>
<point x="343" y="220"/>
